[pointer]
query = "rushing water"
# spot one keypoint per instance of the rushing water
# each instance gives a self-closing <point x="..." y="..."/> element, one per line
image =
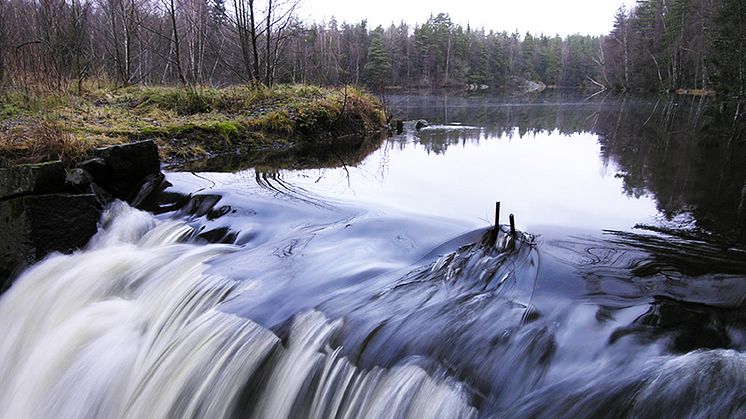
<point x="369" y="282"/>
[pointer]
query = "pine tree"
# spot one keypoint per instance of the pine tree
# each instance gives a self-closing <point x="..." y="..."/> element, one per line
<point x="529" y="57"/>
<point x="377" y="66"/>
<point x="730" y="49"/>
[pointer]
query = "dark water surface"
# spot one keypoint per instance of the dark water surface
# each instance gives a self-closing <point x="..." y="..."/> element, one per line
<point x="368" y="282"/>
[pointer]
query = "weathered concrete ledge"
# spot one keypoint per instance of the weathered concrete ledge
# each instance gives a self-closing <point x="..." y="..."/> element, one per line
<point x="45" y="208"/>
<point x="32" y="178"/>
<point x="33" y="226"/>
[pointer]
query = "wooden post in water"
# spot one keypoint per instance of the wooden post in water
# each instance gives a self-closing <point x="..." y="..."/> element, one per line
<point x="512" y="226"/>
<point x="496" y="230"/>
<point x="512" y="233"/>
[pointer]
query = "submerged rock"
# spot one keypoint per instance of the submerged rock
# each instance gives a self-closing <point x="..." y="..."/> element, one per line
<point x="399" y="126"/>
<point x="396" y="126"/>
<point x="32" y="179"/>
<point x="201" y="205"/>
<point x="33" y="226"/>
<point x="222" y="235"/>
<point x="151" y="186"/>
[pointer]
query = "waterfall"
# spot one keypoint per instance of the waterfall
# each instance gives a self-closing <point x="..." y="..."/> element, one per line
<point x="132" y="327"/>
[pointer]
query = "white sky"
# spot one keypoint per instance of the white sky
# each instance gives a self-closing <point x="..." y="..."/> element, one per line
<point x="563" y="17"/>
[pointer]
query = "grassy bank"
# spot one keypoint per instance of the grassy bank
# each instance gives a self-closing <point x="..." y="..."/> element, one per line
<point x="186" y="123"/>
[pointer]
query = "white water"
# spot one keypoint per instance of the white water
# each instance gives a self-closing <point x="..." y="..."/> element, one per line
<point x="131" y="327"/>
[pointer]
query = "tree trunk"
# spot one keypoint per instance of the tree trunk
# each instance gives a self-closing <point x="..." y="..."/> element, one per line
<point x="254" y="37"/>
<point x="117" y="52"/>
<point x="268" y="58"/>
<point x="177" y="54"/>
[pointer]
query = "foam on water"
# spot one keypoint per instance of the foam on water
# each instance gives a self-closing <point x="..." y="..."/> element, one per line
<point x="132" y="327"/>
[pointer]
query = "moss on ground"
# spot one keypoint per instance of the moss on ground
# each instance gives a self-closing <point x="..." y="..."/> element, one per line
<point x="186" y="123"/>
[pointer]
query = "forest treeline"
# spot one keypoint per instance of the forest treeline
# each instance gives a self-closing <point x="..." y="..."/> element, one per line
<point x="657" y="45"/>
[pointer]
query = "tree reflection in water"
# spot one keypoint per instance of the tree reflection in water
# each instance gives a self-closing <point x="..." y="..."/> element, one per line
<point x="687" y="153"/>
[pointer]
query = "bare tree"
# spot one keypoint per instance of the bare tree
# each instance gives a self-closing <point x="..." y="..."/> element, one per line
<point x="276" y="33"/>
<point x="123" y="19"/>
<point x="244" y="23"/>
<point x="3" y="39"/>
<point x="170" y="9"/>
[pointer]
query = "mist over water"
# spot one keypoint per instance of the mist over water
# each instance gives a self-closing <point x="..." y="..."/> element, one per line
<point x="376" y="287"/>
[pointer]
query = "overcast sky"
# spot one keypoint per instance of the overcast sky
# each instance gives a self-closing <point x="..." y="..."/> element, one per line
<point x="564" y="17"/>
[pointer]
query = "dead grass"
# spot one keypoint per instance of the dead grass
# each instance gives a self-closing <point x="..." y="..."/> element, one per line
<point x="43" y="141"/>
<point x="187" y="123"/>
